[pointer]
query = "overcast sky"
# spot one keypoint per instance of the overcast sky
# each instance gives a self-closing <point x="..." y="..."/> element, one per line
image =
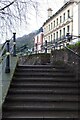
<point x="36" y="20"/>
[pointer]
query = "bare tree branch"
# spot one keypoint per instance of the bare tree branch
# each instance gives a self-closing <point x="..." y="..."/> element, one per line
<point x="7" y="5"/>
<point x="19" y="14"/>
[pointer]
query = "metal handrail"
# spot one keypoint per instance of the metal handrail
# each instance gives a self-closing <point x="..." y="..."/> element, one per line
<point x="72" y="51"/>
<point x="6" y="50"/>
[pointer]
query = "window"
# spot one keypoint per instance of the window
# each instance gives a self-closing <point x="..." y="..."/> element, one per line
<point x="57" y="21"/>
<point x="64" y="16"/>
<point x="37" y="39"/>
<point x="51" y="37"/>
<point x="63" y="31"/>
<point x="54" y="23"/>
<point x="51" y="25"/>
<point x="56" y="35"/>
<point x="60" y="19"/>
<point x="45" y="30"/>
<point x="68" y="28"/>
<point x="68" y="13"/>
<point x="60" y="34"/>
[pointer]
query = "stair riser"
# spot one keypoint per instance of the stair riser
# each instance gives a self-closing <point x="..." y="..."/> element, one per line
<point x="42" y="99"/>
<point x="43" y="86"/>
<point x="43" y="74"/>
<point x="45" y="79"/>
<point x="41" y="67"/>
<point x="21" y="91"/>
<point x="39" y="103"/>
<point x="42" y="70"/>
<point x="40" y="118"/>
<point x="26" y="81"/>
<point x="41" y="107"/>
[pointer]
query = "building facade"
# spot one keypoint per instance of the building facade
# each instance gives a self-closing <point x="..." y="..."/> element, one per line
<point x="65" y="20"/>
<point x="38" y="41"/>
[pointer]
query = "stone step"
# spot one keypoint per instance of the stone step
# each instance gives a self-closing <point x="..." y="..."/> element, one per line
<point x="38" y="115"/>
<point x="48" y="85"/>
<point x="37" y="97"/>
<point x="41" y="78"/>
<point x="44" y="91"/>
<point x="50" y="75"/>
<point x="41" y="107"/>
<point x="40" y="70"/>
<point x="41" y="66"/>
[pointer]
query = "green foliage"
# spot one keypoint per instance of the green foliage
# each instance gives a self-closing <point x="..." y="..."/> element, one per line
<point x="78" y="44"/>
<point x="75" y="45"/>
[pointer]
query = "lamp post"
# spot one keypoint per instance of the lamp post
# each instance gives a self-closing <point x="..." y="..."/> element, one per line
<point x="68" y="37"/>
<point x="46" y="46"/>
<point x="56" y="44"/>
<point x="7" y="68"/>
<point x="36" y="47"/>
<point x="14" y="43"/>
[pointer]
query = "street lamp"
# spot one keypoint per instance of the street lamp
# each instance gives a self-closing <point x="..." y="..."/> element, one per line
<point x="46" y="46"/>
<point x="68" y="37"/>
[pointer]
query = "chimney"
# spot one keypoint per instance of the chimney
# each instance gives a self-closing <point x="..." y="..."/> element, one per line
<point x="49" y="12"/>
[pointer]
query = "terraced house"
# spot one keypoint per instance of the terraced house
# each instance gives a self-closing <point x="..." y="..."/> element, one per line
<point x="65" y="20"/>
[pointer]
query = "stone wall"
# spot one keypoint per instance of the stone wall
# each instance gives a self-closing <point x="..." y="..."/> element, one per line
<point x="40" y="58"/>
<point x="67" y="57"/>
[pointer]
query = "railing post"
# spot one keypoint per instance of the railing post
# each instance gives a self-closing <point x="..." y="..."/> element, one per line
<point x="55" y="45"/>
<point x="14" y="43"/>
<point x="46" y="46"/>
<point x="7" y="69"/>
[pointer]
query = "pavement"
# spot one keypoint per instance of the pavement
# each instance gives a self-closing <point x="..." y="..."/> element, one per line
<point x="5" y="79"/>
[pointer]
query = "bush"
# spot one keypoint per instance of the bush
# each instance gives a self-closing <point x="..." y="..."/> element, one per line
<point x="74" y="46"/>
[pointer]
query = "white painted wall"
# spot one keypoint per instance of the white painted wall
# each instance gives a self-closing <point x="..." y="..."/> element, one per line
<point x="76" y="20"/>
<point x="79" y="19"/>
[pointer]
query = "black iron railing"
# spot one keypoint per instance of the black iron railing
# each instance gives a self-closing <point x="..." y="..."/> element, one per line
<point x="8" y="48"/>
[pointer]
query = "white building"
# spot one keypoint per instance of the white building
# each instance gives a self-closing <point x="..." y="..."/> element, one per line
<point x="38" y="41"/>
<point x="66" y="19"/>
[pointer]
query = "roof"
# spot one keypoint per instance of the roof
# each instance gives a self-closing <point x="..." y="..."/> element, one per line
<point x="62" y="8"/>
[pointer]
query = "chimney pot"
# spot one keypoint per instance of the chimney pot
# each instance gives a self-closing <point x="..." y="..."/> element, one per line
<point x="49" y="12"/>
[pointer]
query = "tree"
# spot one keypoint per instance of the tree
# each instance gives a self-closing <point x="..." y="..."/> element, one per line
<point x="14" y="13"/>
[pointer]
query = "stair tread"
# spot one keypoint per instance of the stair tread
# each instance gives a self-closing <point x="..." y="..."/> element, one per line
<point x="37" y="107"/>
<point x="41" y="70"/>
<point x="42" y="73"/>
<point x="56" y="91"/>
<point x="40" y="66"/>
<point x="47" y="79"/>
<point x="43" y="114"/>
<point x="44" y="85"/>
<point x="43" y="97"/>
<point x="53" y="105"/>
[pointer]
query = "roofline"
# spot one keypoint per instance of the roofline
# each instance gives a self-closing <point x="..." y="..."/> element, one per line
<point x="62" y="8"/>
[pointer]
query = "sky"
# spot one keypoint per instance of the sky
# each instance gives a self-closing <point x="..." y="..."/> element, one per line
<point x="42" y="11"/>
<point x="36" y="18"/>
